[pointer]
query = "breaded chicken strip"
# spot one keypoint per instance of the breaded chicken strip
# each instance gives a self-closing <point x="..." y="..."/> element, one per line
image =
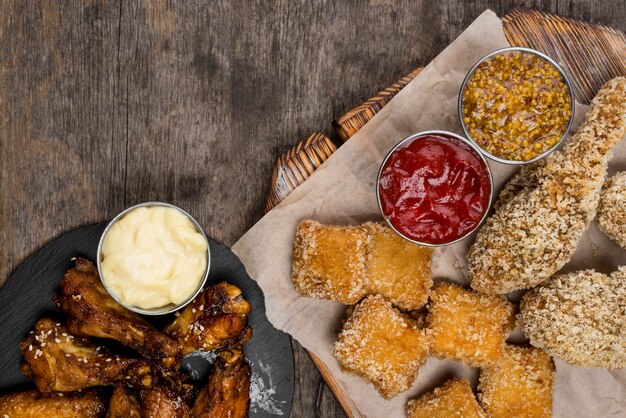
<point x="579" y="317"/>
<point x="545" y="209"/>
<point x="612" y="208"/>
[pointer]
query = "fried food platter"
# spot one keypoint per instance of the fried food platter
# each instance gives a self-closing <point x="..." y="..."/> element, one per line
<point x="474" y="333"/>
<point x="28" y="296"/>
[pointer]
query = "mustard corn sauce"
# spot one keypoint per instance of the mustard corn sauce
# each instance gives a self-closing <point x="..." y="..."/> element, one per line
<point x="516" y="106"/>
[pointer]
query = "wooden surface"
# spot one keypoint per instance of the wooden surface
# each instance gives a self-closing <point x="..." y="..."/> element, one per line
<point x="106" y="104"/>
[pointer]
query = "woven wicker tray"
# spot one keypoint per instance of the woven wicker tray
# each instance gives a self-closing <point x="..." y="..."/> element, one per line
<point x="591" y="55"/>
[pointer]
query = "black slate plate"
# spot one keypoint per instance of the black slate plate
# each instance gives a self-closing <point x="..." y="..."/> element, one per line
<point x="27" y="296"/>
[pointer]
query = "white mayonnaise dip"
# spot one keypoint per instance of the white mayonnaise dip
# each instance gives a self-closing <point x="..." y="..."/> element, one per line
<point x="153" y="256"/>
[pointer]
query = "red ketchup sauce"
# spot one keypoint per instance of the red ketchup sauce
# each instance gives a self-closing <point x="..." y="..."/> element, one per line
<point x="434" y="189"/>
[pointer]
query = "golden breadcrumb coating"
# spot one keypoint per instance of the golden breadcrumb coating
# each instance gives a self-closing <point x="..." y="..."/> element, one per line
<point x="396" y="268"/>
<point x="579" y="317"/>
<point x="518" y="385"/>
<point x="612" y="208"/>
<point x="382" y="345"/>
<point x="346" y="263"/>
<point x="468" y="326"/>
<point x="543" y="212"/>
<point x="453" y="399"/>
<point x="329" y="261"/>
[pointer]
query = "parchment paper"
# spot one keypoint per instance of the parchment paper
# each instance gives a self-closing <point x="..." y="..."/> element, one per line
<point x="342" y="191"/>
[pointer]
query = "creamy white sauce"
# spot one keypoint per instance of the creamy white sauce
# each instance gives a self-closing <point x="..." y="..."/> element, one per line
<point x="153" y="256"/>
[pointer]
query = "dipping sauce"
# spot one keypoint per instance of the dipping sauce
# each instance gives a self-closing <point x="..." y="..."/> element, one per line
<point x="516" y="105"/>
<point x="434" y="189"/>
<point x="153" y="256"/>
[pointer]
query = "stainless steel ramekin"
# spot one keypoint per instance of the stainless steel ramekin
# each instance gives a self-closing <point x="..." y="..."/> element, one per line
<point x="545" y="58"/>
<point x="416" y="136"/>
<point x="167" y="308"/>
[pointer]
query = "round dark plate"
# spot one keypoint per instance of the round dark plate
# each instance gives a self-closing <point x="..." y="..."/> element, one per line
<point x="27" y="296"/>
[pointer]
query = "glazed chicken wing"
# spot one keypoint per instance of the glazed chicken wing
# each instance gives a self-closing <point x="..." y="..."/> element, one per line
<point x="124" y="404"/>
<point x="31" y="403"/>
<point x="161" y="402"/>
<point x="228" y="392"/>
<point x="58" y="361"/>
<point x="544" y="211"/>
<point x="216" y="319"/>
<point x="93" y="312"/>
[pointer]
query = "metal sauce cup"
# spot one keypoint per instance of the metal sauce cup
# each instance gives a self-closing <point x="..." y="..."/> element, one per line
<point x="163" y="310"/>
<point x="478" y="153"/>
<point x="545" y="58"/>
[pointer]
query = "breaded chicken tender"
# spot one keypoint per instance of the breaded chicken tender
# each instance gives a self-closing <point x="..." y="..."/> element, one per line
<point x="329" y="261"/>
<point x="396" y="268"/>
<point x="543" y="212"/>
<point x="347" y="263"/>
<point x="518" y="385"/>
<point x="468" y="326"/>
<point x="382" y="345"/>
<point x="453" y="399"/>
<point x="579" y="317"/>
<point x="612" y="208"/>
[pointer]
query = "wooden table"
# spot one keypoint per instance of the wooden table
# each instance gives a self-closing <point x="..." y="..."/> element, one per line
<point x="105" y="104"/>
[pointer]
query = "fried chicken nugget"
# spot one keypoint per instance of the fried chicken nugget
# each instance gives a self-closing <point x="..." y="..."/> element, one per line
<point x="329" y="261"/>
<point x="382" y="345"/>
<point x="579" y="317"/>
<point x="518" y="385"/>
<point x="396" y="268"/>
<point x="468" y="326"/>
<point x="544" y="210"/>
<point x="347" y="263"/>
<point x="31" y="403"/>
<point x="612" y="208"/>
<point x="453" y="399"/>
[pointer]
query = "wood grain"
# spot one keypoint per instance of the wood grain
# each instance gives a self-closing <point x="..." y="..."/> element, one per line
<point x="108" y="103"/>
